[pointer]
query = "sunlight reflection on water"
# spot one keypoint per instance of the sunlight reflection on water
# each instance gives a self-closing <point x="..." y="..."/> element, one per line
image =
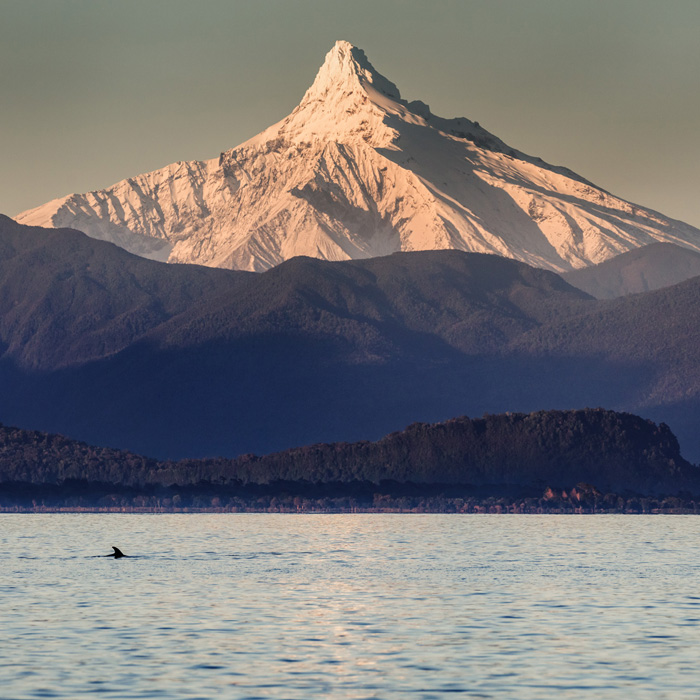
<point x="349" y="606"/>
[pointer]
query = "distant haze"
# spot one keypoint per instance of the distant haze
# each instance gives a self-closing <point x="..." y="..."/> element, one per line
<point x="95" y="91"/>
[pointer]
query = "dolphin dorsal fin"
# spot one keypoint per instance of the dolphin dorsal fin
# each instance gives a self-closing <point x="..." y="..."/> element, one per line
<point x="118" y="552"/>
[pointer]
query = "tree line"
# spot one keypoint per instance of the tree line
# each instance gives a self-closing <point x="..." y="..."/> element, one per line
<point x="513" y="455"/>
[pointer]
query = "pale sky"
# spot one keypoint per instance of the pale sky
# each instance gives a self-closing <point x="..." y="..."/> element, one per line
<point x="94" y="91"/>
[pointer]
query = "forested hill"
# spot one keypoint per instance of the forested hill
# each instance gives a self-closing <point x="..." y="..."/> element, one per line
<point x="118" y="350"/>
<point x="613" y="451"/>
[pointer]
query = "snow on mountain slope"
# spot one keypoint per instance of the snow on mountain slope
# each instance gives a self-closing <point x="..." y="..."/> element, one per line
<point x="353" y="172"/>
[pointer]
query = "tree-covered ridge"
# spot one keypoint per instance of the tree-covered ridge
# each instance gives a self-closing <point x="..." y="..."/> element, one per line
<point x="35" y="457"/>
<point x="119" y="350"/>
<point x="66" y="299"/>
<point x="613" y="451"/>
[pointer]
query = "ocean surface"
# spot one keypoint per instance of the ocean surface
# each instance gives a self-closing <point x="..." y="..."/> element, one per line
<point x="349" y="606"/>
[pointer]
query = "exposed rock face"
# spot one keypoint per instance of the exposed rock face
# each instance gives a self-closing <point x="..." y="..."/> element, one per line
<point x="354" y="172"/>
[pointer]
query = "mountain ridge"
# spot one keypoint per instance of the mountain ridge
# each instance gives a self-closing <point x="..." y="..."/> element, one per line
<point x="185" y="361"/>
<point x="66" y="299"/>
<point x="644" y="269"/>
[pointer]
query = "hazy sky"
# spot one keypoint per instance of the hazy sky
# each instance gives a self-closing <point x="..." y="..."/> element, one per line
<point x="94" y="91"/>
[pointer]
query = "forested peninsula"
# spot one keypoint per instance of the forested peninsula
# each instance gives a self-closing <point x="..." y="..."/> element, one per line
<point x="583" y="460"/>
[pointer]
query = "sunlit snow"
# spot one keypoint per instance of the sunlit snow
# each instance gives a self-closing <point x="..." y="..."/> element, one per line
<point x="355" y="171"/>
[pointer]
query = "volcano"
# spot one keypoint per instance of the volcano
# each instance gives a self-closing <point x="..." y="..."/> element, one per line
<point x="355" y="171"/>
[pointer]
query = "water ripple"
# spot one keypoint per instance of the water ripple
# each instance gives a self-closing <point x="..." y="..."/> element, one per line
<point x="356" y="606"/>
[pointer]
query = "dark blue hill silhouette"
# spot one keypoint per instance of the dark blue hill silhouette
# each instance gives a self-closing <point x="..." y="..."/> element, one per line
<point x="180" y="361"/>
<point x="496" y="454"/>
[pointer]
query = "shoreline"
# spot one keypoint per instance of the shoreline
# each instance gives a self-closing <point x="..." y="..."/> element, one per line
<point x="39" y="510"/>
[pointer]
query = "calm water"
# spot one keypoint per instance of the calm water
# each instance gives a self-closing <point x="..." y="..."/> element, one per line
<point x="350" y="606"/>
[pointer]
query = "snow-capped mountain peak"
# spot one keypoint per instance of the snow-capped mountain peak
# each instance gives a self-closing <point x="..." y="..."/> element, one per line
<point x="356" y="171"/>
<point x="348" y="99"/>
<point x="345" y="69"/>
